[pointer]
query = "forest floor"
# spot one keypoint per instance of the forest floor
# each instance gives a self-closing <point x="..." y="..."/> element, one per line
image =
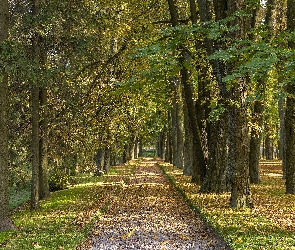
<point x="149" y="213"/>
<point x="149" y="204"/>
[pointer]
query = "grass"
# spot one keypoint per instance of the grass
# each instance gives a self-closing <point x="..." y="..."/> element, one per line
<point x="270" y="225"/>
<point x="65" y="219"/>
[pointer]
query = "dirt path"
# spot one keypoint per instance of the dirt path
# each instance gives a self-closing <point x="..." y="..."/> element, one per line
<point x="150" y="214"/>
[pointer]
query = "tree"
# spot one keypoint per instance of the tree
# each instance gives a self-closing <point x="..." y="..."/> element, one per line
<point x="217" y="126"/>
<point x="290" y="111"/>
<point x="193" y="152"/>
<point x="5" y="221"/>
<point x="35" y="106"/>
<point x="238" y="122"/>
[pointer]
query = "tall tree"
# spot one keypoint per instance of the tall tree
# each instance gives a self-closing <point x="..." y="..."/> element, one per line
<point x="193" y="152"/>
<point x="290" y="111"/>
<point x="238" y="124"/>
<point x="217" y="129"/>
<point x="35" y="106"/>
<point x="176" y="123"/>
<point x="5" y="221"/>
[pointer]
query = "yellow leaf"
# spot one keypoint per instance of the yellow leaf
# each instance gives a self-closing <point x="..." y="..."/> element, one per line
<point x="164" y="242"/>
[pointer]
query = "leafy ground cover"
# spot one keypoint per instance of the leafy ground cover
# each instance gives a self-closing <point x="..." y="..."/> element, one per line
<point x="269" y="225"/>
<point x="19" y="196"/>
<point x="65" y="219"/>
<point x="150" y="213"/>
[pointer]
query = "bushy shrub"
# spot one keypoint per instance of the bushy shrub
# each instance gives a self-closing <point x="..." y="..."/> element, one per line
<point x="58" y="179"/>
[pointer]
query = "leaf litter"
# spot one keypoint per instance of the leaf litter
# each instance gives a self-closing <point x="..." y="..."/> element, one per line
<point x="149" y="213"/>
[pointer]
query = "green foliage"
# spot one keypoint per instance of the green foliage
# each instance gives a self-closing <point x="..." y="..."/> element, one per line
<point x="59" y="179"/>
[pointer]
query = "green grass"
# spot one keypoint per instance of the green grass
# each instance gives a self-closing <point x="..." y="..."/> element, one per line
<point x="65" y="219"/>
<point x="270" y="225"/>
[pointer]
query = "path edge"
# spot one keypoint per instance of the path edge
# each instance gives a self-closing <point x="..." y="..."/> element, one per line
<point x="194" y="207"/>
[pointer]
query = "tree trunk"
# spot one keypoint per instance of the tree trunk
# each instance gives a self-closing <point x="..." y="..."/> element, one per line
<point x="35" y="106"/>
<point x="107" y="160"/>
<point x="126" y="153"/>
<point x="35" y="148"/>
<point x="290" y="112"/>
<point x="177" y="127"/>
<point x="267" y="148"/>
<point x="100" y="157"/>
<point x="217" y="131"/>
<point x="168" y="149"/>
<point x="140" y="148"/>
<point x="43" y="150"/>
<point x="161" y="145"/>
<point x="189" y="150"/>
<point x="136" y="148"/>
<point x="216" y="178"/>
<point x="255" y="141"/>
<point x="238" y="125"/>
<point x="290" y="141"/>
<point x="5" y="221"/>
<point x="132" y="149"/>
<point x="239" y="150"/>
<point x="282" y="114"/>
<point x="192" y="129"/>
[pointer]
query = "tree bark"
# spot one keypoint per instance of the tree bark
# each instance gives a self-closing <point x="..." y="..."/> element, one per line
<point x="168" y="152"/>
<point x="217" y="131"/>
<point x="216" y="180"/>
<point x="100" y="157"/>
<point x="198" y="166"/>
<point x="43" y="150"/>
<point x="161" y="145"/>
<point x="140" y="149"/>
<point x="255" y="141"/>
<point x="290" y="112"/>
<point x="35" y="106"/>
<point x="282" y="114"/>
<point x="107" y="160"/>
<point x="177" y="127"/>
<point x="238" y="125"/>
<point x="268" y="153"/>
<point x="5" y="221"/>
<point x="35" y="148"/>
<point x="290" y="141"/>
<point x="126" y="153"/>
